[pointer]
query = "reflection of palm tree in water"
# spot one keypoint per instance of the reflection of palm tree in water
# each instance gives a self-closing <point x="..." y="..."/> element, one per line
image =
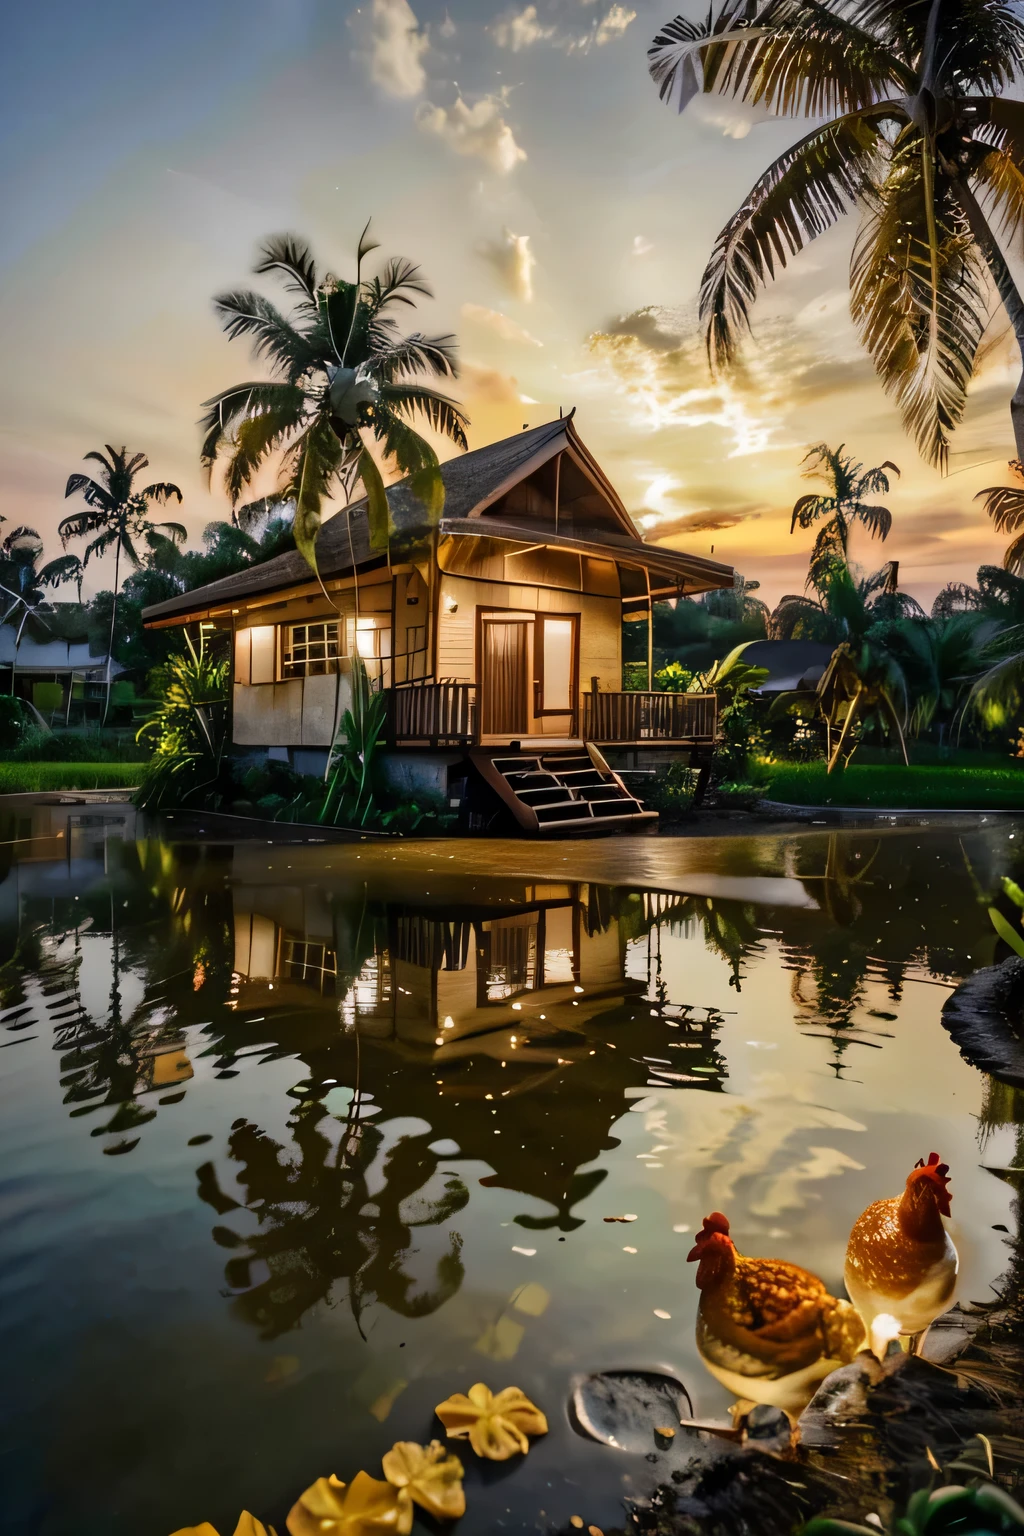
<point x="830" y="974"/>
<point x="319" y="1223"/>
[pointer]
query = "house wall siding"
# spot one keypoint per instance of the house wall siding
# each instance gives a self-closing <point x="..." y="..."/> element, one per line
<point x="600" y="626"/>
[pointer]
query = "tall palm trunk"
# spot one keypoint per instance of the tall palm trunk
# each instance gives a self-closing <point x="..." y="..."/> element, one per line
<point x="1008" y="292"/>
<point x="113" y="621"/>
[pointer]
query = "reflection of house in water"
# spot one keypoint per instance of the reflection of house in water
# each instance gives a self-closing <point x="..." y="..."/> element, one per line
<point x="518" y="996"/>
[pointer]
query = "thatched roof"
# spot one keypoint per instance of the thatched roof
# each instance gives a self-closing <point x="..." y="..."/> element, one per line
<point x="472" y="482"/>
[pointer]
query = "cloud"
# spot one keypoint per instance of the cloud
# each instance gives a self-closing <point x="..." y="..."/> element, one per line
<point x="640" y="246"/>
<point x="520" y="29"/>
<point x="489" y="386"/>
<point x="613" y="25"/>
<point x="662" y="377"/>
<point x="397" y="48"/>
<point x="479" y="130"/>
<point x="517" y="30"/>
<point x="733" y="119"/>
<point x="513" y="260"/>
<point x="505" y="327"/>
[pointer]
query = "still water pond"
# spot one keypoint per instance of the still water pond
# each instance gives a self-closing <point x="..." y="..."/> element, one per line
<point x="296" y="1141"/>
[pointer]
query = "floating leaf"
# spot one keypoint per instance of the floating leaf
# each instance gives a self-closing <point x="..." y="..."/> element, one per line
<point x="430" y="1475"/>
<point x="365" y="1508"/>
<point x="496" y="1426"/>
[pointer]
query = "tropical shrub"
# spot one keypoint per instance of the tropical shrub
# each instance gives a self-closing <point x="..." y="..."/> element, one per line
<point x="187" y="730"/>
<point x="14" y="722"/>
<point x="671" y="792"/>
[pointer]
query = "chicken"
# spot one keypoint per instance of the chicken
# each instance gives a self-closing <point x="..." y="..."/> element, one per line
<point x="901" y="1265"/>
<point x="766" y="1329"/>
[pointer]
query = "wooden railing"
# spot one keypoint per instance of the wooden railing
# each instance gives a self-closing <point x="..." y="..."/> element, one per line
<point x="432" y="714"/>
<point x="629" y="717"/>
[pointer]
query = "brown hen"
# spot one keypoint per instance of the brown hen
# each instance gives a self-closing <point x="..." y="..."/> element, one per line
<point x="766" y="1329"/>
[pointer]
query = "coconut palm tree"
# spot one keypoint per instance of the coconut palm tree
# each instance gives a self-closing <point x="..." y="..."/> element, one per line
<point x="343" y="376"/>
<point x="22" y="583"/>
<point x="939" y="657"/>
<point x="917" y="136"/>
<point x="863" y="683"/>
<point x="118" y="516"/>
<point x="843" y="505"/>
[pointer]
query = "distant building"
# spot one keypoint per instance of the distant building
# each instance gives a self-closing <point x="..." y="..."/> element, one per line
<point x="65" y="659"/>
<point x="793" y="665"/>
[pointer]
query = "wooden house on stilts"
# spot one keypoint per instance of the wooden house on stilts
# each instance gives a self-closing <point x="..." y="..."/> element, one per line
<point x="499" y="639"/>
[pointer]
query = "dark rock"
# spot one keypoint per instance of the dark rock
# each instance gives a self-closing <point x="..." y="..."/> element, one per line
<point x="984" y="1016"/>
<point x="625" y="1409"/>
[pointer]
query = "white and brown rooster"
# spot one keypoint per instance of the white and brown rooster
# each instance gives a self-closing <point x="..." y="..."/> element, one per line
<point x="901" y="1265"/>
<point x="766" y="1329"/>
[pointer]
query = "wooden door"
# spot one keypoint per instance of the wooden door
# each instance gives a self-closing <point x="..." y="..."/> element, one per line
<point x="505" y="702"/>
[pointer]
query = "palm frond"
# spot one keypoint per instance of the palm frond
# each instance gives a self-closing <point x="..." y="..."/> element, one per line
<point x="795" y="57"/>
<point x="177" y="533"/>
<point x="874" y="480"/>
<point x="809" y="508"/>
<point x="414" y="354"/>
<point x="877" y="520"/>
<point x="223" y="413"/>
<point x="313" y="463"/>
<point x="1004" y="504"/>
<point x="111" y="465"/>
<point x="444" y="415"/>
<point x="807" y="190"/>
<point x="378" y="509"/>
<point x="95" y="494"/>
<point x="100" y="545"/>
<point x="78" y="524"/>
<point x="923" y="343"/>
<point x="253" y="440"/>
<point x="981" y="46"/>
<point x="401" y="282"/>
<point x="417" y="460"/>
<point x="162" y="490"/>
<point x="1013" y="555"/>
<point x="796" y="617"/>
<point x="996" y="166"/>
<point x="55" y="572"/>
<point x="292" y="257"/>
<point x="273" y="336"/>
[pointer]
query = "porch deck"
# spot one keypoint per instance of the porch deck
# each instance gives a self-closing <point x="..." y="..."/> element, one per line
<point x="445" y="714"/>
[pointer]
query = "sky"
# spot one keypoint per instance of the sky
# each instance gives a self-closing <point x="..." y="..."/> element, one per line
<point x="520" y="154"/>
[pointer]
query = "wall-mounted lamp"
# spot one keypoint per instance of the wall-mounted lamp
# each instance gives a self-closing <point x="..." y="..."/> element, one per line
<point x="450" y="605"/>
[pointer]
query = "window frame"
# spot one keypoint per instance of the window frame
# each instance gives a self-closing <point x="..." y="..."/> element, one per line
<point x="540" y="708"/>
<point x="328" y="664"/>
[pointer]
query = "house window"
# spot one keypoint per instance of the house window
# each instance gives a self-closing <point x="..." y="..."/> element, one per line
<point x="371" y="640"/>
<point x="314" y="964"/>
<point x="309" y="650"/>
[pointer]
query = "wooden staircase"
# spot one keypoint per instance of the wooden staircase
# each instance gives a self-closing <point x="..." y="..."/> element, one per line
<point x="559" y="790"/>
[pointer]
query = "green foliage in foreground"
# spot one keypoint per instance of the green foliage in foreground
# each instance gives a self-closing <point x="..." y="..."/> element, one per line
<point x="884" y="787"/>
<point x="32" y="778"/>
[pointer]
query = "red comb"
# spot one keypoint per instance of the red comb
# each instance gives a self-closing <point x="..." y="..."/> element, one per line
<point x="715" y="1225"/>
<point x="937" y="1175"/>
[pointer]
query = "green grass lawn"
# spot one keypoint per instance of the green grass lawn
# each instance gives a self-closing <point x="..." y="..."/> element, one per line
<point x="893" y="786"/>
<point x="31" y="778"/>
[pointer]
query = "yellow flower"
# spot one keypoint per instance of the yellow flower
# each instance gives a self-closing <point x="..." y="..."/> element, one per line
<point x="429" y="1475"/>
<point x="496" y="1426"/>
<point x="365" y="1508"/>
<point x="247" y="1526"/>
